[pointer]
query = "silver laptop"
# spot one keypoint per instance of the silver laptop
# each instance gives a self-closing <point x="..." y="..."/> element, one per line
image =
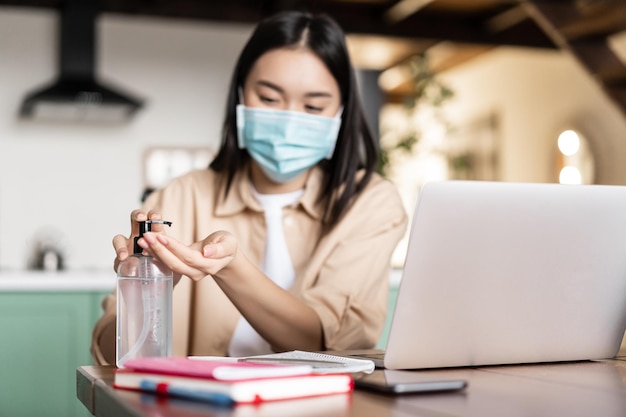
<point x="504" y="273"/>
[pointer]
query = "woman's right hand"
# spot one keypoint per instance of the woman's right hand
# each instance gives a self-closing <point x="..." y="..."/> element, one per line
<point x="124" y="245"/>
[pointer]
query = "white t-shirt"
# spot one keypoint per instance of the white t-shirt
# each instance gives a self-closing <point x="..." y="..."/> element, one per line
<point x="276" y="265"/>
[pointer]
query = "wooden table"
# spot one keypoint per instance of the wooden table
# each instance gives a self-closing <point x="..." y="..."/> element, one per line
<point x="589" y="388"/>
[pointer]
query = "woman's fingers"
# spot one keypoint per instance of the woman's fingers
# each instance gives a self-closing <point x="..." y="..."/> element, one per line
<point x="191" y="260"/>
<point x="153" y="215"/>
<point x="120" y="244"/>
<point x="136" y="216"/>
<point x="219" y="245"/>
<point x="124" y="245"/>
<point x="139" y="215"/>
<point x="176" y="256"/>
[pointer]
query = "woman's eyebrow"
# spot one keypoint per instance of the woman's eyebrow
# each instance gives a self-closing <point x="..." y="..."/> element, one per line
<point x="318" y="94"/>
<point x="279" y="89"/>
<point x="270" y="85"/>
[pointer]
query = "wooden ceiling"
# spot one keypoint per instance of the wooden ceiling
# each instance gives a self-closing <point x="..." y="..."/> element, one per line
<point x="404" y="28"/>
<point x="486" y="22"/>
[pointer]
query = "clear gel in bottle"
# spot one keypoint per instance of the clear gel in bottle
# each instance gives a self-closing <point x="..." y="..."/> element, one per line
<point x="144" y="304"/>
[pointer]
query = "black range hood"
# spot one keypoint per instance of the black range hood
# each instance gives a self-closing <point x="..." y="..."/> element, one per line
<point x="76" y="95"/>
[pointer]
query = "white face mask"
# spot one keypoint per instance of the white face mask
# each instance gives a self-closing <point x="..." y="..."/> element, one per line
<point x="286" y="143"/>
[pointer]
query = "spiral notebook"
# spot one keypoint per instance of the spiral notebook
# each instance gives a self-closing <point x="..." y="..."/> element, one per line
<point x="321" y="363"/>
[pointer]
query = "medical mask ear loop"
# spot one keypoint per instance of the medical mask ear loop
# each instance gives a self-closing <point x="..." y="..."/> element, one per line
<point x="240" y="119"/>
<point x="337" y="128"/>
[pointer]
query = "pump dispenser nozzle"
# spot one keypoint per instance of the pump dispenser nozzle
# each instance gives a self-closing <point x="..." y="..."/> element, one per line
<point x="146" y="226"/>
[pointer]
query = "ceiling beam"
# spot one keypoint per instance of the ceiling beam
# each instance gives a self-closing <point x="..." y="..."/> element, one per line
<point x="593" y="52"/>
<point x="403" y="9"/>
<point x="429" y="24"/>
<point x="441" y="26"/>
<point x="585" y="20"/>
<point x="602" y="23"/>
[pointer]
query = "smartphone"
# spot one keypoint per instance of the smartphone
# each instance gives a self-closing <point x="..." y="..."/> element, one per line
<point x="406" y="382"/>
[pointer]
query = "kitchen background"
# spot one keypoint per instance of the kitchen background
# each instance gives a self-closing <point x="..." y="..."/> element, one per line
<point x="73" y="184"/>
<point x="78" y="182"/>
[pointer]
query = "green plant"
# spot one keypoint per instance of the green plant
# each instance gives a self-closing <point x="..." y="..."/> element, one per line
<point x="426" y="90"/>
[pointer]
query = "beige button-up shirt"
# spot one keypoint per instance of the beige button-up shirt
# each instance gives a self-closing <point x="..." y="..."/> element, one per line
<point x="343" y="275"/>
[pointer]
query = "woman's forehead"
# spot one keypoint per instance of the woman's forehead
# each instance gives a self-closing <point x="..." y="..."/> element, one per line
<point x="295" y="70"/>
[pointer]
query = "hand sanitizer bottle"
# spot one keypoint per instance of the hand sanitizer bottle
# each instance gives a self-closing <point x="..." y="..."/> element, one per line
<point x="144" y="304"/>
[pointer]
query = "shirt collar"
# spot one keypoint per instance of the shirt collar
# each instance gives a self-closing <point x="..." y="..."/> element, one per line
<point x="240" y="197"/>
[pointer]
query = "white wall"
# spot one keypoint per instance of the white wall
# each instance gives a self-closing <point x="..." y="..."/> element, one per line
<point x="537" y="94"/>
<point x="82" y="181"/>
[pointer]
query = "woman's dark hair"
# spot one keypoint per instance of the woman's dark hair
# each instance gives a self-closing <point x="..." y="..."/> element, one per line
<point x="356" y="147"/>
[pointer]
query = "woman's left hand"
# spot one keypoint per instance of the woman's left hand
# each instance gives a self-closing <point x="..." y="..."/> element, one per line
<point x="206" y="257"/>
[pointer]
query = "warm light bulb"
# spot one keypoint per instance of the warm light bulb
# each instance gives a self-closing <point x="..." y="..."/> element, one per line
<point x="569" y="142"/>
<point x="570" y="175"/>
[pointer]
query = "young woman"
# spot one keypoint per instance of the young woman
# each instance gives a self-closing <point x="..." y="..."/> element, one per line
<point x="285" y="241"/>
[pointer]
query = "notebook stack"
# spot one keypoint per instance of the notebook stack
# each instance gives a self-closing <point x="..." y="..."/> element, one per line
<point x="226" y="382"/>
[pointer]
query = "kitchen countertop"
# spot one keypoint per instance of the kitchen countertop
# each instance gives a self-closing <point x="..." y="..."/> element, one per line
<point x="62" y="281"/>
<point x="83" y="280"/>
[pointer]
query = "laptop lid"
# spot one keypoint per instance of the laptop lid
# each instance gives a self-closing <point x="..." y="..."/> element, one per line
<point x="501" y="273"/>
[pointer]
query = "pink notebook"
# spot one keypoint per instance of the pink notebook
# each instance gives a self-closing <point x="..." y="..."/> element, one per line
<point x="226" y="370"/>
